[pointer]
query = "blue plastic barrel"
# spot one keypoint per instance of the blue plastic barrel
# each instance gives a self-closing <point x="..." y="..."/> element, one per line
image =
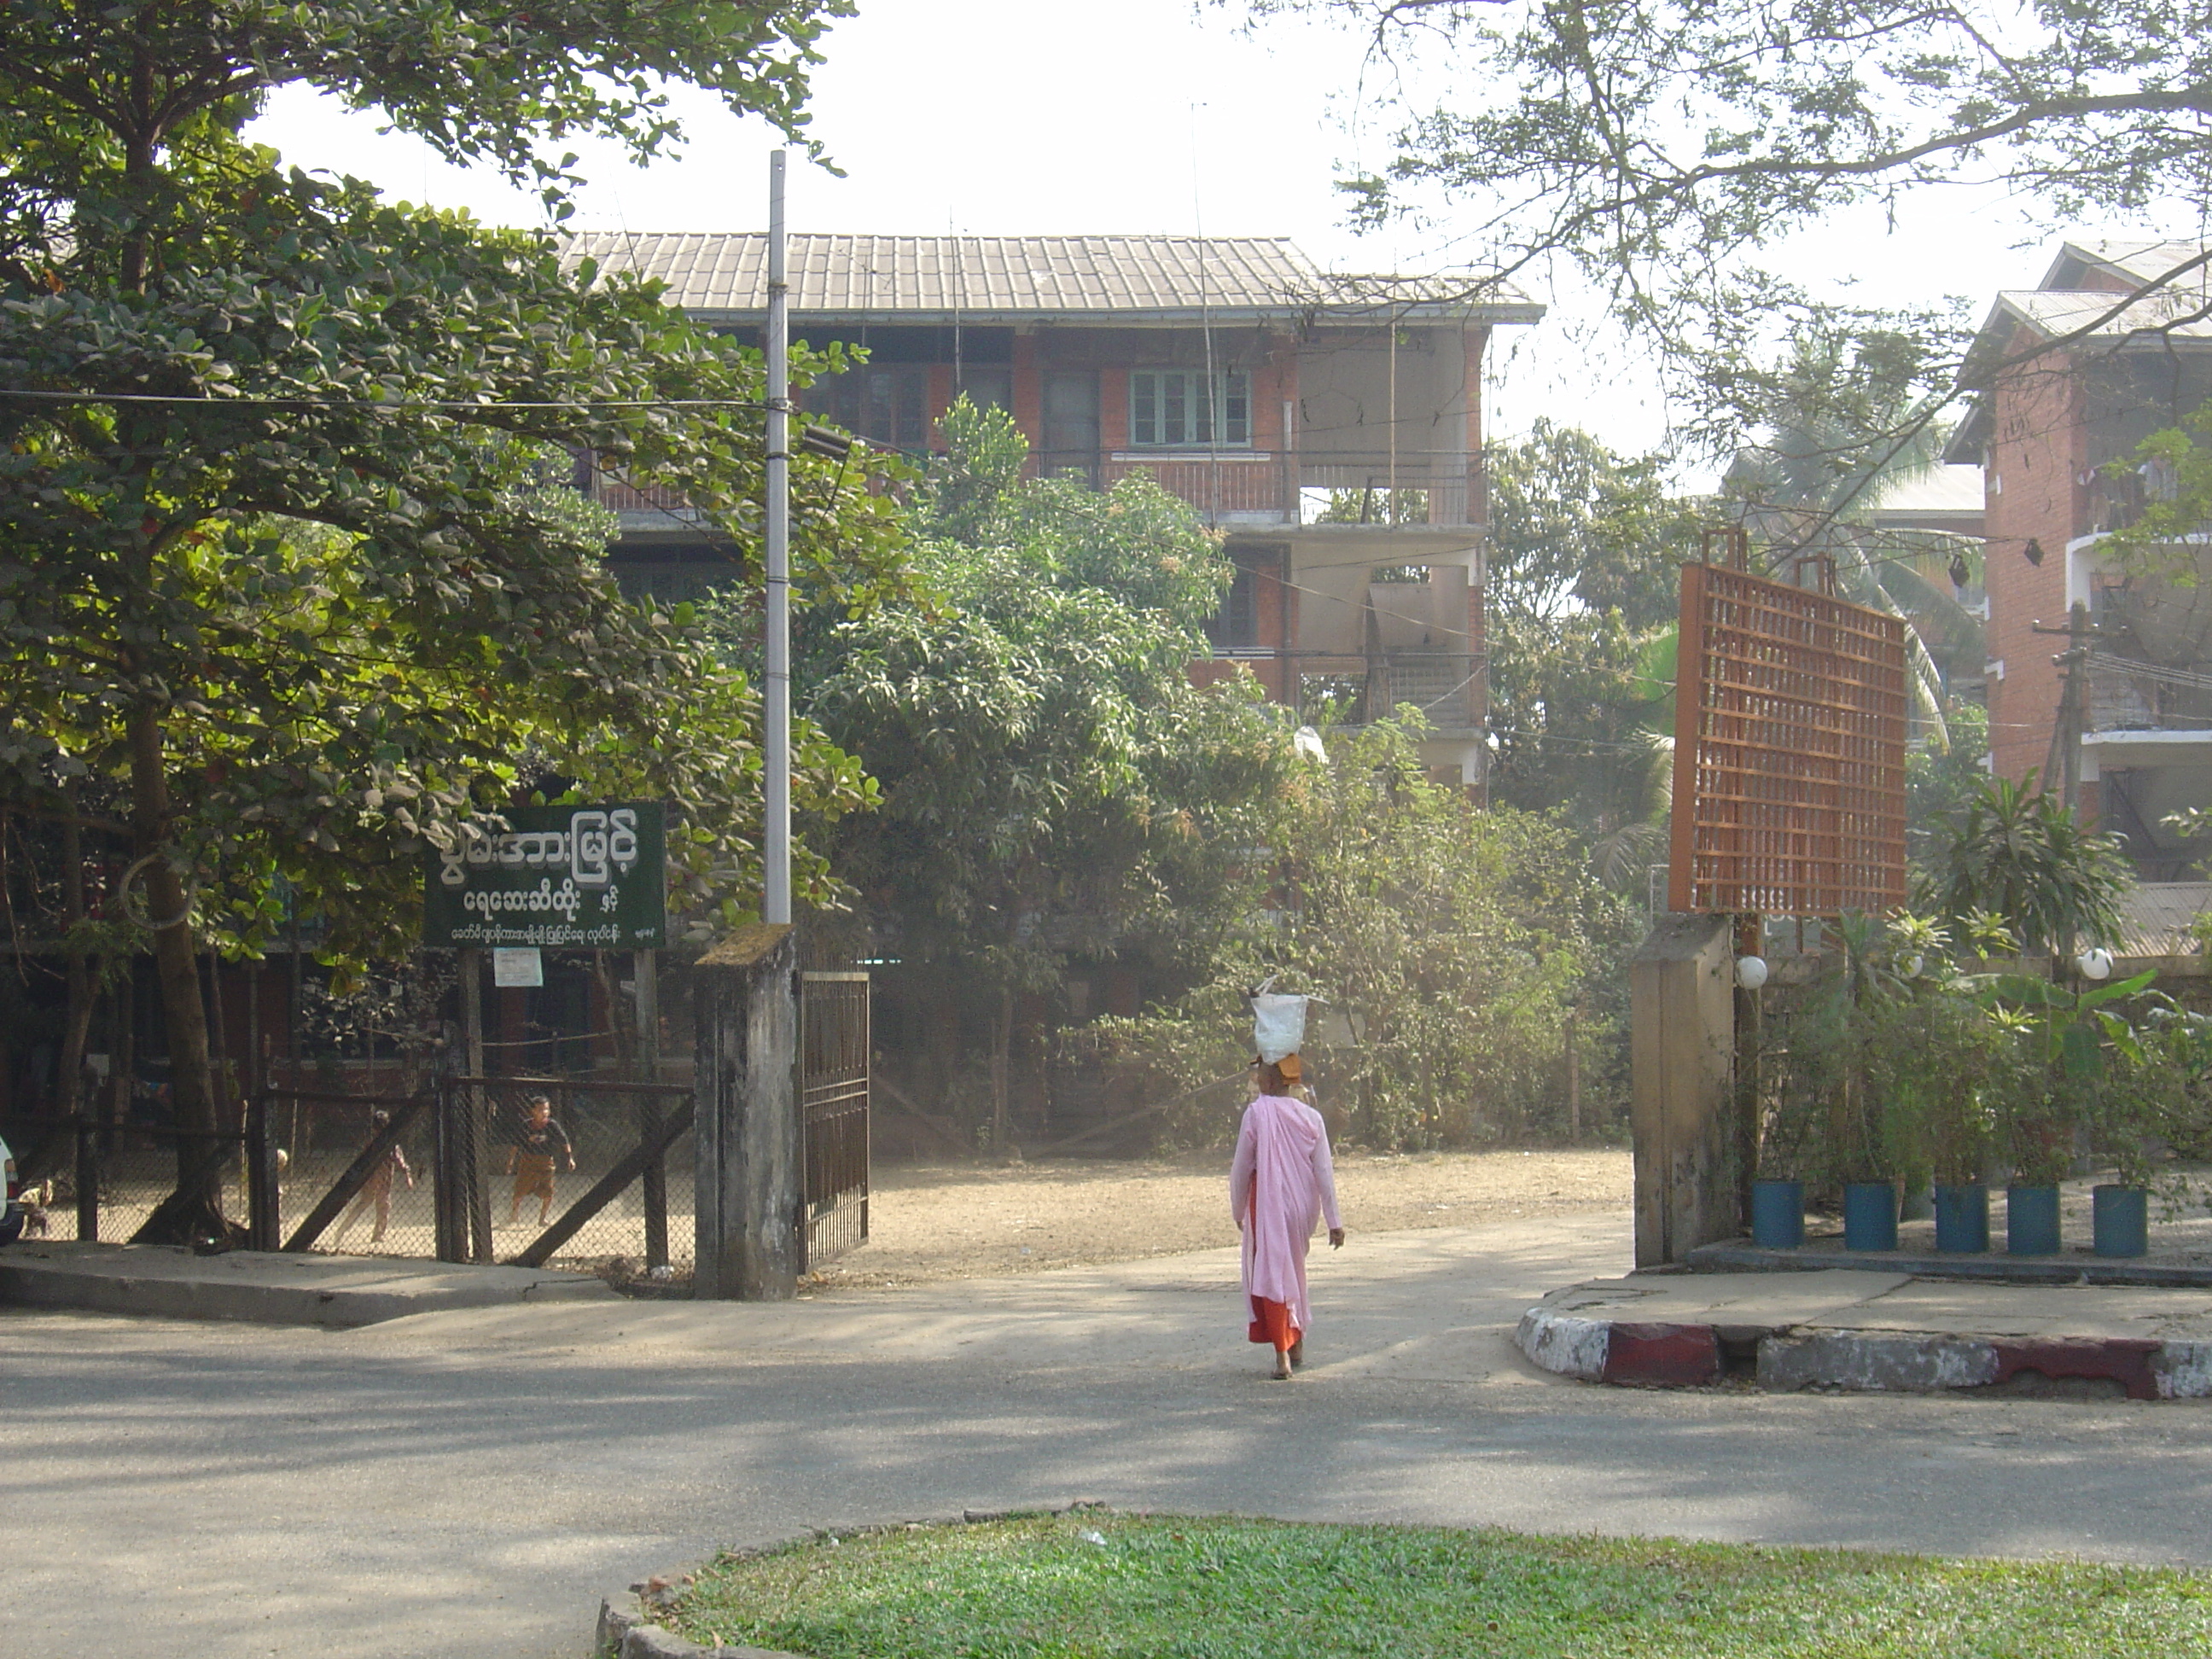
<point x="1777" y="1214"/>
<point x="1870" y="1215"/>
<point x="2031" y="1220"/>
<point x="1962" y="1219"/>
<point x="2121" y="1220"/>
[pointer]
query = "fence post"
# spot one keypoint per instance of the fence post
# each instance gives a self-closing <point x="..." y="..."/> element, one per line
<point x="88" y="1177"/>
<point x="466" y="1109"/>
<point x="443" y="1207"/>
<point x="751" y="1233"/>
<point x="645" y="976"/>
<point x="261" y="1218"/>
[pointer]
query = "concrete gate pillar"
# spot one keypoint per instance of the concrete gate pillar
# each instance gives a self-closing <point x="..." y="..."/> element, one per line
<point x="1683" y="1039"/>
<point x="750" y="1195"/>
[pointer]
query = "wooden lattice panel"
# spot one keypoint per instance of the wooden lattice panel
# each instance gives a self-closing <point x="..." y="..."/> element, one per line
<point x="1789" y="725"/>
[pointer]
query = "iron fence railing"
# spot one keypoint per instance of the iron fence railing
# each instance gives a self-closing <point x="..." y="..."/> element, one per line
<point x="835" y="1049"/>
<point x="601" y="1188"/>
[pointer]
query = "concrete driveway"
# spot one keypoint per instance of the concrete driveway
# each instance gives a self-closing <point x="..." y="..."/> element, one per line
<point x="469" y="1483"/>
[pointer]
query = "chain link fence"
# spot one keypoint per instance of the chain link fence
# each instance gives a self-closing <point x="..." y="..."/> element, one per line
<point x="592" y="1175"/>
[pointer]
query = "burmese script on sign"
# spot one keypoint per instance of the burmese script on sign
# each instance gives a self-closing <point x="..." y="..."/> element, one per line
<point x="584" y="878"/>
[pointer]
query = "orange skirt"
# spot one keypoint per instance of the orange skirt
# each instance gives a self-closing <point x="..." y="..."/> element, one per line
<point x="1272" y="1323"/>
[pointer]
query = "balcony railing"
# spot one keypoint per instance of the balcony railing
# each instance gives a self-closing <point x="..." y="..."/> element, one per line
<point x="2126" y="695"/>
<point x="1259" y="487"/>
<point x="1430" y="490"/>
<point x="612" y="492"/>
<point x="1232" y="488"/>
<point x="1447" y="687"/>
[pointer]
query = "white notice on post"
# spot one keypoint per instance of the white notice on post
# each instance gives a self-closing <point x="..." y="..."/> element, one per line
<point x="522" y="967"/>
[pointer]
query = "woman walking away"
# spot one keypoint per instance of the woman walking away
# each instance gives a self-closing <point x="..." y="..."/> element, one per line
<point x="1280" y="1183"/>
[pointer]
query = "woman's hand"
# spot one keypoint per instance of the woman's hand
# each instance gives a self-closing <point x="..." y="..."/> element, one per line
<point x="1336" y="1238"/>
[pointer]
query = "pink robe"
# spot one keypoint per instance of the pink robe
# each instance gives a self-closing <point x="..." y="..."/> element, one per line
<point x="1279" y="1184"/>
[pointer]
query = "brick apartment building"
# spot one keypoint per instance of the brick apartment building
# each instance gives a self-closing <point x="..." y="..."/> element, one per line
<point x="2074" y="376"/>
<point x="1329" y="426"/>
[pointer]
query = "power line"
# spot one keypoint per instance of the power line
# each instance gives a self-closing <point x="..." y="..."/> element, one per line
<point x="380" y="406"/>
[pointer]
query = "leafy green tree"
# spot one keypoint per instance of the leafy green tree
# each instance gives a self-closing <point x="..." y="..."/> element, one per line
<point x="1575" y="526"/>
<point x="2017" y="854"/>
<point x="205" y="353"/>
<point x="1840" y="427"/>
<point x="1940" y="783"/>
<point x="1466" y="950"/>
<point x="1583" y="551"/>
<point x="1052" y="784"/>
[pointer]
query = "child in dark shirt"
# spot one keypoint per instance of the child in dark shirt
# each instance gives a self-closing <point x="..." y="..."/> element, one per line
<point x="531" y="1160"/>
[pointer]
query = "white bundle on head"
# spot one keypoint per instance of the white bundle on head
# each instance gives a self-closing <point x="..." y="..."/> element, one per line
<point x="1278" y="1025"/>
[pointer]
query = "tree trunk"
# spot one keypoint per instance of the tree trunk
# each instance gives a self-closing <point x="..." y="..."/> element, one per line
<point x="1574" y="1078"/>
<point x="1002" y="1038"/>
<point x="76" y="1022"/>
<point x="194" y="1210"/>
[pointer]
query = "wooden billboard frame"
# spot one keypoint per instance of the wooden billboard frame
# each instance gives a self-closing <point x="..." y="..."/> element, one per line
<point x="1790" y="716"/>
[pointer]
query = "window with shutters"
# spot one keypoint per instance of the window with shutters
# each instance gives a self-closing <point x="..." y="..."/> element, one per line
<point x="1171" y="407"/>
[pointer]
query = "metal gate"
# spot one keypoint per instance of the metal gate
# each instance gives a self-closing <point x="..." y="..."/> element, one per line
<point x="833" y="1096"/>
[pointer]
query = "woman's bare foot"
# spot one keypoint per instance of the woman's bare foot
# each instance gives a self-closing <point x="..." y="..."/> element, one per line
<point x="1282" y="1365"/>
<point x="1298" y="1353"/>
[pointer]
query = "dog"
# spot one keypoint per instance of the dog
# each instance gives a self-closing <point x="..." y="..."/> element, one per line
<point x="35" y="1201"/>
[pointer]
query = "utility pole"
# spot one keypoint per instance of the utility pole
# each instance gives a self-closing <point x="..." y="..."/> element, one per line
<point x="776" y="811"/>
<point x="2064" y="759"/>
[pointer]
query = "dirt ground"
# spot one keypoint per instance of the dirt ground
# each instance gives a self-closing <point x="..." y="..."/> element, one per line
<point x="940" y="1221"/>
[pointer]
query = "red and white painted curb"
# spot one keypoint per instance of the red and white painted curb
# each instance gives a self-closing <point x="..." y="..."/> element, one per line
<point x="1570" y="1342"/>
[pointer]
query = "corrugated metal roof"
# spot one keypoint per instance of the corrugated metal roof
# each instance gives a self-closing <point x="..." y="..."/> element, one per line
<point x="931" y="277"/>
<point x="2154" y="918"/>
<point x="2171" y="310"/>
<point x="2136" y="262"/>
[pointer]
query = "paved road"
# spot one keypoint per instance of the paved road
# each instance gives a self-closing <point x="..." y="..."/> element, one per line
<point x="468" y="1483"/>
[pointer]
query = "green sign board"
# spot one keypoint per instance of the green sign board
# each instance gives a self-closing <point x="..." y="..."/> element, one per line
<point x="563" y="878"/>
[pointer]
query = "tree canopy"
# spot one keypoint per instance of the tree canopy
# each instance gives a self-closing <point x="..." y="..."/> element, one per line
<point x="1662" y="147"/>
<point x="1583" y="554"/>
<point x="1466" y="953"/>
<point x="284" y="587"/>
<point x="1052" y="785"/>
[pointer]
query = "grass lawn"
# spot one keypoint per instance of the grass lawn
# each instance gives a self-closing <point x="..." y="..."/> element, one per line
<point x="1224" y="1588"/>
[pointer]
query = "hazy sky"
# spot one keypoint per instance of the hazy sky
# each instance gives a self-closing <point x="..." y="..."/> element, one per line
<point x="1005" y="117"/>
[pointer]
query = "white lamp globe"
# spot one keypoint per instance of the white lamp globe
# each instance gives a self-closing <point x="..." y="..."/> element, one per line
<point x="1751" y="972"/>
<point x="2095" y="962"/>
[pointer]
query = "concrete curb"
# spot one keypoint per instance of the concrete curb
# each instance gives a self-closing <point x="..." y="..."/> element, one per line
<point x="1788" y="1357"/>
<point x="266" y="1287"/>
<point x="1564" y="1343"/>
